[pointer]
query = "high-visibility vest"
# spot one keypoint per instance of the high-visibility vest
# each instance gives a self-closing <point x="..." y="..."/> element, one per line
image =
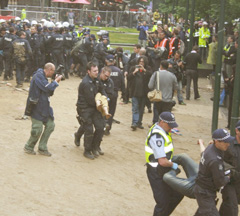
<point x="163" y="43"/>
<point x="23" y="14"/>
<point x="203" y="33"/>
<point x="227" y="48"/>
<point x="154" y="28"/>
<point x="168" y="146"/>
<point x="171" y="47"/>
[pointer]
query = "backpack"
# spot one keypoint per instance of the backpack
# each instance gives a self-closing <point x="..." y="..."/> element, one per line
<point x="19" y="52"/>
<point x="75" y="49"/>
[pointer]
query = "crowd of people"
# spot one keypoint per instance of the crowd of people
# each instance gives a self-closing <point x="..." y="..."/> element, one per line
<point x="43" y="50"/>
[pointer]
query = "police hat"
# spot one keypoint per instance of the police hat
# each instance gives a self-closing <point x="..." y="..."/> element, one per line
<point x="222" y="135"/>
<point x="110" y="58"/>
<point x="169" y="118"/>
<point x="93" y="36"/>
<point x="238" y="125"/>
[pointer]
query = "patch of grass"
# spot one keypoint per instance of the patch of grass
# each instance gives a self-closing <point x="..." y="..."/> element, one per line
<point x="127" y="30"/>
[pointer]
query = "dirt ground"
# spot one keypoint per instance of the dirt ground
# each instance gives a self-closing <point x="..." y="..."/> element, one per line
<point x="67" y="184"/>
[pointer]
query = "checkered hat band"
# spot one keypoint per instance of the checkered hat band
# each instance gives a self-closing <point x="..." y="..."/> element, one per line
<point x="169" y="122"/>
<point x="224" y="138"/>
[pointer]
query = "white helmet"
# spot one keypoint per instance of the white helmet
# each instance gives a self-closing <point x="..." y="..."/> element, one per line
<point x="159" y="22"/>
<point x="65" y="24"/>
<point x="26" y="20"/>
<point x="34" y="22"/>
<point x="58" y="25"/>
<point x="2" y="21"/>
<point x="17" y="18"/>
<point x="51" y="24"/>
<point x="205" y="23"/>
<point x="43" y="21"/>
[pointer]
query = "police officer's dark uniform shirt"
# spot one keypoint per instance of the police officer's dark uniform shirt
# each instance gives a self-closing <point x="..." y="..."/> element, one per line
<point x="100" y="51"/>
<point x="56" y="41"/>
<point x="35" y="43"/>
<point x="108" y="87"/>
<point x="232" y="157"/>
<point x="22" y="47"/>
<point x="87" y="91"/>
<point x="118" y="79"/>
<point x="7" y="42"/>
<point x="68" y="41"/>
<point x="86" y="47"/>
<point x="211" y="170"/>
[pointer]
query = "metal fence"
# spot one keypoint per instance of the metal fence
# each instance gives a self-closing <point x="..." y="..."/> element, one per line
<point x="30" y="15"/>
<point x="86" y="17"/>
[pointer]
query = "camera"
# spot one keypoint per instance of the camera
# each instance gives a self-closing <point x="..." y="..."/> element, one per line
<point x="138" y="66"/>
<point x="60" y="71"/>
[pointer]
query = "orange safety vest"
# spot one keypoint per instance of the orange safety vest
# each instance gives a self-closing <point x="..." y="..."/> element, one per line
<point x="171" y="46"/>
<point x="163" y="43"/>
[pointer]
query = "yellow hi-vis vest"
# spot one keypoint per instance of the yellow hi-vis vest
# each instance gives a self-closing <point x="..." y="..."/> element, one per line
<point x="203" y="33"/>
<point x="168" y="146"/>
<point x="23" y="14"/>
<point x="227" y="48"/>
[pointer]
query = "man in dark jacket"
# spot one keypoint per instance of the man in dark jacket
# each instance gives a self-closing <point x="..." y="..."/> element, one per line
<point x="89" y="116"/>
<point x="192" y="60"/>
<point x="138" y="79"/>
<point x="42" y="113"/>
<point x="7" y="53"/>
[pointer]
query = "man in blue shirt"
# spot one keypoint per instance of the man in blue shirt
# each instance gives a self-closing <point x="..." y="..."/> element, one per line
<point x="41" y="113"/>
<point x="142" y="39"/>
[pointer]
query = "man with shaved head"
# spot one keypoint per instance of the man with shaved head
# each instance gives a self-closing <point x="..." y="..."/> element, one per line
<point x="38" y="107"/>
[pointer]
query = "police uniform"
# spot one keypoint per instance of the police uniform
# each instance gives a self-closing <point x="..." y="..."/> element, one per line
<point x="7" y="54"/>
<point x="211" y="176"/>
<point x="231" y="192"/>
<point x="68" y="44"/>
<point x="56" y="42"/>
<point x="159" y="145"/>
<point x="89" y="115"/>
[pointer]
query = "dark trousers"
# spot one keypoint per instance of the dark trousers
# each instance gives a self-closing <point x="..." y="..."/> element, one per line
<point x="112" y="109"/>
<point x="67" y="58"/>
<point x="83" y="61"/>
<point x="57" y="57"/>
<point x="206" y="202"/>
<point x="203" y="52"/>
<point x="159" y="107"/>
<point x="1" y="65"/>
<point x="92" y="136"/>
<point x="166" y="198"/>
<point x="20" y="72"/>
<point x="192" y="75"/>
<point x="230" y="196"/>
<point x="8" y="62"/>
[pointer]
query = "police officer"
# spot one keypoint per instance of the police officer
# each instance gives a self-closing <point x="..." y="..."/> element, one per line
<point x="21" y="53"/>
<point x="34" y="63"/>
<point x="56" y="42"/>
<point x="68" y="44"/>
<point x="88" y="114"/>
<point x="100" y="52"/>
<point x="2" y="33"/>
<point x="7" y="52"/>
<point x="211" y="176"/>
<point x="119" y="84"/>
<point x="231" y="192"/>
<point x="159" y="152"/>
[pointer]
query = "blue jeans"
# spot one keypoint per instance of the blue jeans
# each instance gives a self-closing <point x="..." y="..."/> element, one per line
<point x="181" y="185"/>
<point x="138" y="104"/>
<point x="179" y="91"/>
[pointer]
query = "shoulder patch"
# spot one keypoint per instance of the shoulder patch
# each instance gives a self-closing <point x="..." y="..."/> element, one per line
<point x="220" y="167"/>
<point x="159" y="142"/>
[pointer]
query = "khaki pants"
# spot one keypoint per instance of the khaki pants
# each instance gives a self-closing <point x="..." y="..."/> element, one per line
<point x="104" y="103"/>
<point x="37" y="128"/>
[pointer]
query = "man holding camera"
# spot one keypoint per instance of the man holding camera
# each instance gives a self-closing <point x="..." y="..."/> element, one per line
<point x="38" y="107"/>
<point x="143" y="28"/>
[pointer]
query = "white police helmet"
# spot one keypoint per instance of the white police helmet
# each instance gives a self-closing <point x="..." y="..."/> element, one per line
<point x="34" y="22"/>
<point x="65" y="24"/>
<point x="17" y="18"/>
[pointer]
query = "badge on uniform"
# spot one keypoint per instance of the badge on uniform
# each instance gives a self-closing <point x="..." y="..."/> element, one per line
<point x="159" y="143"/>
<point x="220" y="167"/>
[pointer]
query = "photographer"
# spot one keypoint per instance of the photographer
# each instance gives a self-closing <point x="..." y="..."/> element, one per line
<point x="41" y="113"/>
<point x="138" y="80"/>
<point x="143" y="28"/>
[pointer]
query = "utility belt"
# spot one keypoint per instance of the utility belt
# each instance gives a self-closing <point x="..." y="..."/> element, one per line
<point x="159" y="169"/>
